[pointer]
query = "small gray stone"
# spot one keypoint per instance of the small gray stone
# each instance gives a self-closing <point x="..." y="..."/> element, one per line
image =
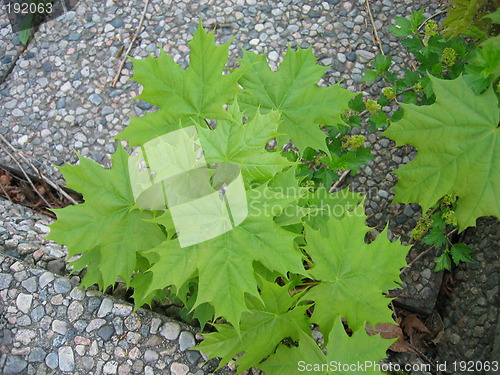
<point x="170" y="330"/>
<point x="95" y="324"/>
<point x="186" y="341"/>
<point x="383" y="194"/>
<point x="95" y="99"/>
<point x="5" y="280"/>
<point x="364" y="56"/>
<point x="23" y="302"/>
<point x="66" y="358"/>
<point x="426" y="274"/>
<point x="59" y="326"/>
<point x="150" y="355"/>
<point x="46" y="278"/>
<point x="193" y="356"/>
<point x="106" y="307"/>
<point x="25" y="248"/>
<point x="121" y="309"/>
<point x="117" y="23"/>
<point x="62" y="285"/>
<point x="30" y="284"/>
<point x="52" y="360"/>
<point x="155" y="324"/>
<point x="36" y="355"/>
<point x="14" y="365"/>
<point x="106" y="332"/>
<point x="75" y="310"/>
<point x="37" y="313"/>
<point x="107" y="110"/>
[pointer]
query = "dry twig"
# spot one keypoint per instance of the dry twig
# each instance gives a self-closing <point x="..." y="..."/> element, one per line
<point x="375" y="34"/>
<point x="26" y="176"/>
<point x="339" y="181"/>
<point x="40" y="174"/>
<point x="431" y="17"/>
<point x="122" y="63"/>
<point x="5" y="192"/>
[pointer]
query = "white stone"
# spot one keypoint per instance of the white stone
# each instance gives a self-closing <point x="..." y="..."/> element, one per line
<point x="95" y="324"/>
<point x="170" y="330"/>
<point x="105" y="308"/>
<point x="46" y="278"/>
<point x="59" y="326"/>
<point x="273" y="56"/>
<point x="23" y="302"/>
<point x="66" y="87"/>
<point x="110" y="367"/>
<point x="22" y="140"/>
<point x="66" y="358"/>
<point x="179" y="369"/>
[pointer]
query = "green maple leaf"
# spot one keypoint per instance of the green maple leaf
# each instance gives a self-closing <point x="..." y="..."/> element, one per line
<point x="461" y="252"/>
<point x="292" y="90"/>
<point x="107" y="229"/>
<point x="342" y="350"/>
<point x="435" y="237"/>
<point x="194" y="94"/>
<point x="244" y="145"/>
<point x="458" y="144"/>
<point x="352" y="274"/>
<point x="224" y="264"/>
<point x="262" y="328"/>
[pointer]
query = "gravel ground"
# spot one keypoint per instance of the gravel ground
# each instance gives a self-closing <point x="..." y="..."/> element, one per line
<point x="58" y="98"/>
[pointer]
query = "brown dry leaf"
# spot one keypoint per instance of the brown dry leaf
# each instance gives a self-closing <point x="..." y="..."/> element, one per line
<point x="412" y="323"/>
<point x="5" y="179"/>
<point x="391" y="331"/>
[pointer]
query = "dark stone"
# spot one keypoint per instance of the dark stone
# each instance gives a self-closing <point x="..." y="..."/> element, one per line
<point x="57" y="266"/>
<point x="105" y="332"/>
<point x="193" y="356"/>
<point x="6" y="59"/>
<point x="315" y="14"/>
<point x="117" y="23"/>
<point x="144" y="105"/>
<point x="351" y="57"/>
<point x="401" y="219"/>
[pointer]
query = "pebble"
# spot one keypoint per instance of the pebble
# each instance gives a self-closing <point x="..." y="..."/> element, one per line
<point x="14" y="365"/>
<point x="170" y="330"/>
<point x="66" y="358"/>
<point x="186" y="341"/>
<point x="23" y="302"/>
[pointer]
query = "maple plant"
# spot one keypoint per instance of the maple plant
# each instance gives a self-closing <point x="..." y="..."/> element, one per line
<point x="299" y="256"/>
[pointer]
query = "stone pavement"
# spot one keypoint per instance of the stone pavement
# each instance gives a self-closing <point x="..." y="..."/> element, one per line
<point x="48" y="325"/>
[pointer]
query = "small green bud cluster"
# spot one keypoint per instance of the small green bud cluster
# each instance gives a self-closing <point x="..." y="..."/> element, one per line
<point x="449" y="217"/>
<point x="449" y="57"/>
<point x="389" y="93"/>
<point x="423" y="225"/>
<point x="448" y="199"/>
<point x="417" y="87"/>
<point x="372" y="106"/>
<point x="430" y="30"/>
<point x="353" y="142"/>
